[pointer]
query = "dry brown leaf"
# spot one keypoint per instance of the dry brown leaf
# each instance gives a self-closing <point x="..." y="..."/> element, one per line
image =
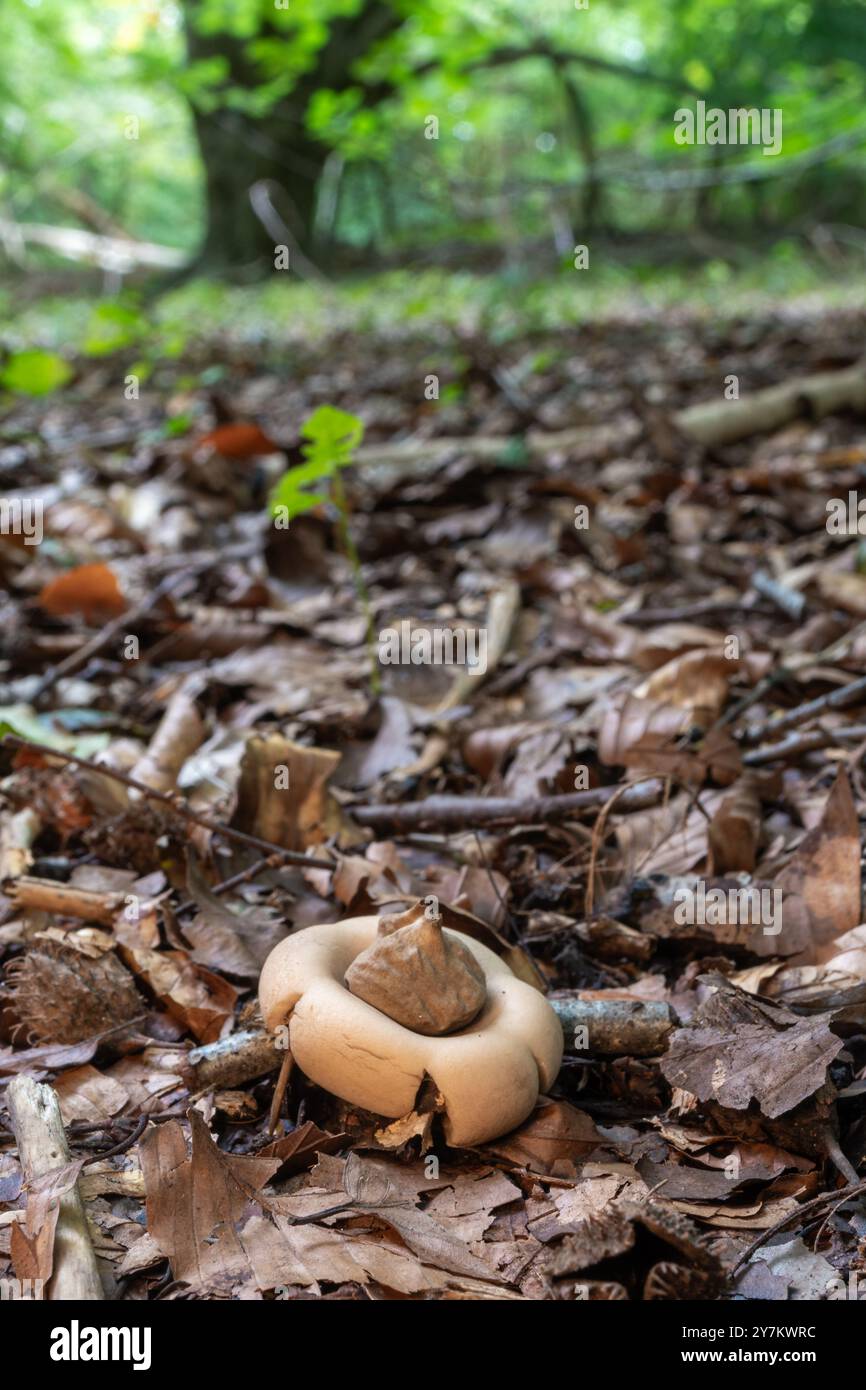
<point x="195" y="1201"/>
<point x="738" y="1048"/>
<point x="283" y="793"/>
<point x="91" y="590"/>
<point x="696" y="681"/>
<point x="821" y="883"/>
<point x="629" y="720"/>
<point x="555" y="1139"/>
<point x="736" y="828"/>
<point x="201" y="1000"/>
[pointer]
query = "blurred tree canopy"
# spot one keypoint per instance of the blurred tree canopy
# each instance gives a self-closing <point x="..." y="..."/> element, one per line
<point x="363" y="130"/>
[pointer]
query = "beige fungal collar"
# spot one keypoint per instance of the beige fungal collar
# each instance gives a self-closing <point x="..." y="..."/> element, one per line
<point x="489" y="1072"/>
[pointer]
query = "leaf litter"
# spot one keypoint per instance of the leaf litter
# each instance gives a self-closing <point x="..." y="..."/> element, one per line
<point x="660" y="763"/>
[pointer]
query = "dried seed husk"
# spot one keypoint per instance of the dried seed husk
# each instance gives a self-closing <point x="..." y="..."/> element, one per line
<point x="420" y="976"/>
<point x="60" y="995"/>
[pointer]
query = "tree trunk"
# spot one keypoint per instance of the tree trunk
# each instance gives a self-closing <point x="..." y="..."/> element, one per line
<point x="239" y="151"/>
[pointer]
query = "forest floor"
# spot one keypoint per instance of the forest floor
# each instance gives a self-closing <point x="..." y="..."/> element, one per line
<point x="671" y="624"/>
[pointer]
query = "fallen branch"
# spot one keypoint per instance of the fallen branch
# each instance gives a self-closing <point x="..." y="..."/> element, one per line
<point x="65" y="900"/>
<point x="613" y="1027"/>
<point x="468" y="812"/>
<point x="724" y="422"/>
<point x="795" y="744"/>
<point x="234" y="1060"/>
<point x="803" y="714"/>
<point x="42" y="1148"/>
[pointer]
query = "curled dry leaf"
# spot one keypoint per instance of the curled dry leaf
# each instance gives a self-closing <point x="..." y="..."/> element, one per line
<point x="273" y="766"/>
<point x="418" y="976"/>
<point x="697" y="681"/>
<point x="672" y="640"/>
<point x="91" y="590"/>
<point x="738" y="1048"/>
<point x="629" y="720"/>
<point x="178" y="734"/>
<point x="821" y="884"/>
<point x="736" y="828"/>
<point x="237" y="441"/>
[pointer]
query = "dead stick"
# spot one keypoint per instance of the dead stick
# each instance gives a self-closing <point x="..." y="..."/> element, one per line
<point x="235" y="1059"/>
<point x="35" y="1114"/>
<point x="807" y="742"/>
<point x="175" y="801"/>
<point x="462" y="812"/>
<point x="808" y="1208"/>
<point x="245" y="876"/>
<point x="613" y="1027"/>
<point x="781" y="723"/>
<point x="65" y="900"/>
<point x="279" y="1092"/>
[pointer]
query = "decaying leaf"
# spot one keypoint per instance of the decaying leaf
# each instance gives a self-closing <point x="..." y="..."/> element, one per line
<point x="737" y="1049"/>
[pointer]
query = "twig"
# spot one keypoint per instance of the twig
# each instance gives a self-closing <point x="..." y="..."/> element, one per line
<point x="65" y="899"/>
<point x="176" y="803"/>
<point x="803" y="714"/>
<point x="270" y="861"/>
<point x="124" y="1144"/>
<point x="280" y="1091"/>
<point x="35" y="1114"/>
<point x="803" y="743"/>
<point x="815" y="1205"/>
<point x="790" y="601"/>
<point x="467" y="812"/>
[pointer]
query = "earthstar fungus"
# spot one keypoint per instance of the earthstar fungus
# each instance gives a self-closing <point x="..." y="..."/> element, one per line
<point x="415" y="976"/>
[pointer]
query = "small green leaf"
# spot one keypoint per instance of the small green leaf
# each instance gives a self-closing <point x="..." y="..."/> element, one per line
<point x="332" y="436"/>
<point x="35" y="373"/>
<point x="112" y="326"/>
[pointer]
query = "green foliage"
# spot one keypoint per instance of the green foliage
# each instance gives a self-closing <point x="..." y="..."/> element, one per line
<point x="35" y="373"/>
<point x="74" y="76"/>
<point x="331" y="436"/>
<point x="113" y="326"/>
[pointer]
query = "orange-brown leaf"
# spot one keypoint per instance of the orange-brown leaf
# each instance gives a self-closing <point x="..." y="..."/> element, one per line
<point x="89" y="589"/>
<point x="238" y="442"/>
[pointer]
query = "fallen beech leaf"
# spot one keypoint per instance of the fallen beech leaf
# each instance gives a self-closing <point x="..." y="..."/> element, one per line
<point x="697" y="681"/>
<point x="201" y="1000"/>
<point x="32" y="1241"/>
<point x="196" y="1199"/>
<point x="556" y="1137"/>
<point x="237" y="441"/>
<point x="629" y="720"/>
<point x="821" y="884"/>
<point x="92" y="590"/>
<point x="298" y="1149"/>
<point x="283" y="792"/>
<point x="738" y="1048"/>
<point x="736" y="828"/>
<point x="671" y="640"/>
